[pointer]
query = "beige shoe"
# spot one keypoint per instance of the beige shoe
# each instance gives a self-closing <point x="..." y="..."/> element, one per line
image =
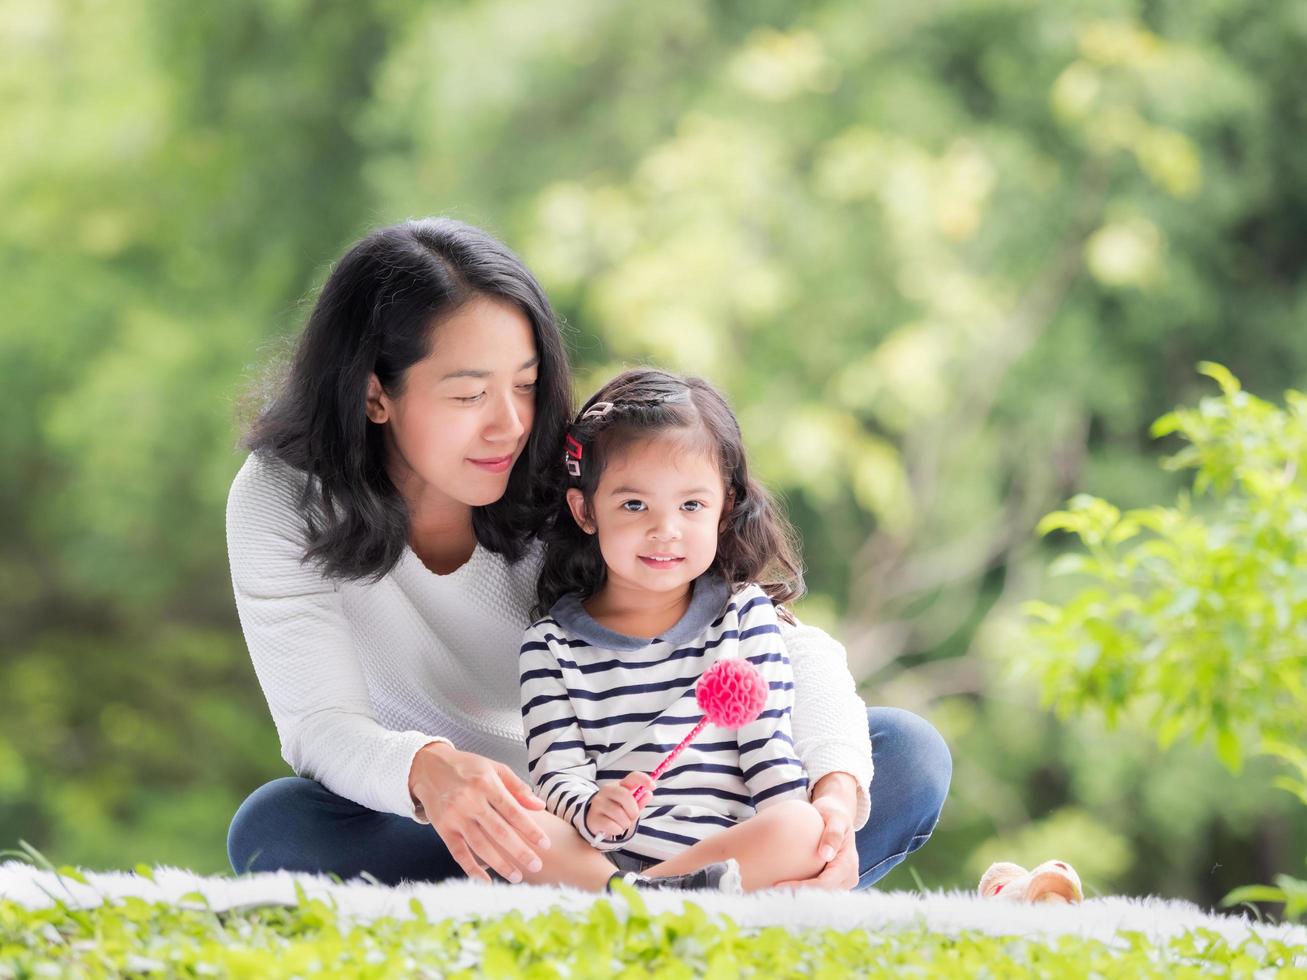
<point x="1053" y="881"/>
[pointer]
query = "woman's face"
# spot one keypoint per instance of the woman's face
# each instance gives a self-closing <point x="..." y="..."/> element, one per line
<point x="462" y="419"/>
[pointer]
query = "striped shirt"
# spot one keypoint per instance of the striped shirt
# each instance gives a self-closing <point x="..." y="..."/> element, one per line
<point x="597" y="705"/>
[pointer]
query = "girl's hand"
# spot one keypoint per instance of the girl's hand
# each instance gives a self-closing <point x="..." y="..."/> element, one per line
<point x="613" y="810"/>
<point x="479" y="809"/>
<point x="841" y="870"/>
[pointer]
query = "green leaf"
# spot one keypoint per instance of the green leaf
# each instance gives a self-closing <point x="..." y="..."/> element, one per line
<point x="1221" y="375"/>
<point x="1253" y="893"/>
<point x="1294" y="787"/>
<point x="1060" y="520"/>
<point x="1171" y="728"/>
<point x="68" y="871"/>
<point x="1044" y="611"/>
<point x="1165" y="425"/>
<point x="1228" y="749"/>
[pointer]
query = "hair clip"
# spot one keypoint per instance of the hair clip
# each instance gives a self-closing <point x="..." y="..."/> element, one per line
<point x="597" y="411"/>
<point x="572" y="451"/>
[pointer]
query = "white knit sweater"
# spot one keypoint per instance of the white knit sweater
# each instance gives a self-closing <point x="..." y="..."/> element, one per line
<point x="360" y="675"/>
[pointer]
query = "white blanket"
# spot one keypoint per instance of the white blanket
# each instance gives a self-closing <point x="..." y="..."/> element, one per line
<point x="945" y="912"/>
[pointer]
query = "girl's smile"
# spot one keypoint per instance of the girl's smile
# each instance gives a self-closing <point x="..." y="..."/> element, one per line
<point x="661" y="561"/>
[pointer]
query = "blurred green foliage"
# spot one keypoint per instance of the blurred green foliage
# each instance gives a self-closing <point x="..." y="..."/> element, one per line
<point x="1195" y="616"/>
<point x="1196" y="613"/>
<point x="948" y="258"/>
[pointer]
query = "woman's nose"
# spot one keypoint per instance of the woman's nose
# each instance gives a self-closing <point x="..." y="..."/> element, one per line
<point x="507" y="423"/>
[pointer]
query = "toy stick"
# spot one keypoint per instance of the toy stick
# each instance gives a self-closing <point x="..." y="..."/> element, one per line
<point x="731" y="693"/>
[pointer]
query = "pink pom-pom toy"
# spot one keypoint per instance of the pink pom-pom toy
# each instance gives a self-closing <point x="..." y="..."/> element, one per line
<point x="731" y="693"/>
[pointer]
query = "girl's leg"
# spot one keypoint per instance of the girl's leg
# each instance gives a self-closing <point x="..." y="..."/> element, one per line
<point x="569" y="860"/>
<point x="913" y="768"/>
<point x="296" y="824"/>
<point x="776" y="844"/>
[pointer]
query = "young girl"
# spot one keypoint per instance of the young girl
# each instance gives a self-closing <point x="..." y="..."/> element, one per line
<point x="663" y="558"/>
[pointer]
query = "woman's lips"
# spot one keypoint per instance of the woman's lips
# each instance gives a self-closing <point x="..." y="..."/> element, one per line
<point x="496" y="464"/>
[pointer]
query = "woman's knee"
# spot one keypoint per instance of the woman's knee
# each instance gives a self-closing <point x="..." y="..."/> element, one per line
<point x="262" y="820"/>
<point x="909" y="744"/>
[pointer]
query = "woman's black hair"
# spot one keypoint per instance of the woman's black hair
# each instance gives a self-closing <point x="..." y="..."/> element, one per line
<point x="756" y="543"/>
<point x="376" y="314"/>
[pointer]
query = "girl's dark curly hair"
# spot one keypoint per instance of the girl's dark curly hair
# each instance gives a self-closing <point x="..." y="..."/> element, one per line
<point x="376" y="314"/>
<point x="756" y="544"/>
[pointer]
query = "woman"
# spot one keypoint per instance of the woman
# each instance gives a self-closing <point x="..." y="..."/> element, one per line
<point x="381" y="539"/>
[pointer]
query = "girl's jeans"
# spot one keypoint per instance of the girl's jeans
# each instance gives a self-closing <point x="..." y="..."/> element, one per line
<point x="297" y="825"/>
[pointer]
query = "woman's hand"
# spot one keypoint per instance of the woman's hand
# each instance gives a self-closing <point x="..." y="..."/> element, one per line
<point x="835" y="797"/>
<point x="479" y="809"/>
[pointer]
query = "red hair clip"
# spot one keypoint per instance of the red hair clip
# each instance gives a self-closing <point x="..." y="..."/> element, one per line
<point x="572" y="451"/>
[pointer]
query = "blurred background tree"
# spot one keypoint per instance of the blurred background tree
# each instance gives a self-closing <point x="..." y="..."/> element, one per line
<point x="949" y="260"/>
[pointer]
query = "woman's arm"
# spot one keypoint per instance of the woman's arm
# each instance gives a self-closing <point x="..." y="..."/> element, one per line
<point x="299" y="641"/>
<point x="829" y="720"/>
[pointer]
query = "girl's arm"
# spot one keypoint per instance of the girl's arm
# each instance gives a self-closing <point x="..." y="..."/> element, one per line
<point x="767" y="757"/>
<point x="557" y="759"/>
<point x="299" y="641"/>
<point x="829" y="719"/>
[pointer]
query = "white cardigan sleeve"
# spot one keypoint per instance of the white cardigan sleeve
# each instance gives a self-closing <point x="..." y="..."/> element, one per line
<point x="829" y="719"/>
<point x="303" y="654"/>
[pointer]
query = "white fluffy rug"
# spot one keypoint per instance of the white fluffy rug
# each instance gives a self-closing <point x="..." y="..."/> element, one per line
<point x="949" y="912"/>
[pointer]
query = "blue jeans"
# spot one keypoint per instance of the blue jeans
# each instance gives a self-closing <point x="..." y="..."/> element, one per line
<point x="298" y="825"/>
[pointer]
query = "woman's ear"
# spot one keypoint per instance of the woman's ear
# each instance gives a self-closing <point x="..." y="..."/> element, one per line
<point x="580" y="512"/>
<point x="378" y="402"/>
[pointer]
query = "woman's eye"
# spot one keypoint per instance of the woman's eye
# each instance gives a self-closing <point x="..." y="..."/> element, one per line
<point x="469" y="399"/>
<point x="527" y="388"/>
<point x="692" y="505"/>
<point x="633" y="506"/>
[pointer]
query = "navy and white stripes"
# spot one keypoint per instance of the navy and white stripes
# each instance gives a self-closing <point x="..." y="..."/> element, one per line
<point x="592" y="715"/>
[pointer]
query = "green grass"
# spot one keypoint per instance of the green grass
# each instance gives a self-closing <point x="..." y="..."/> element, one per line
<point x="614" y="938"/>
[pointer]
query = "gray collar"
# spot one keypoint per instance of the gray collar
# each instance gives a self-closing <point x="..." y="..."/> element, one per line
<point x="706" y="603"/>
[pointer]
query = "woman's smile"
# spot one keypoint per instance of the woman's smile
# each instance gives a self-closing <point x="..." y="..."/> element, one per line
<point x="494" y="464"/>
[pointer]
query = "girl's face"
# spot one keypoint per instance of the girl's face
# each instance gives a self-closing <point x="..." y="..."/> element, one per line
<point x="465" y="411"/>
<point x="658" y="513"/>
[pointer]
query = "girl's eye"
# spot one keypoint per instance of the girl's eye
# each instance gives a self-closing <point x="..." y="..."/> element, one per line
<point x="527" y="388"/>
<point x="692" y="505"/>
<point x="633" y="506"/>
